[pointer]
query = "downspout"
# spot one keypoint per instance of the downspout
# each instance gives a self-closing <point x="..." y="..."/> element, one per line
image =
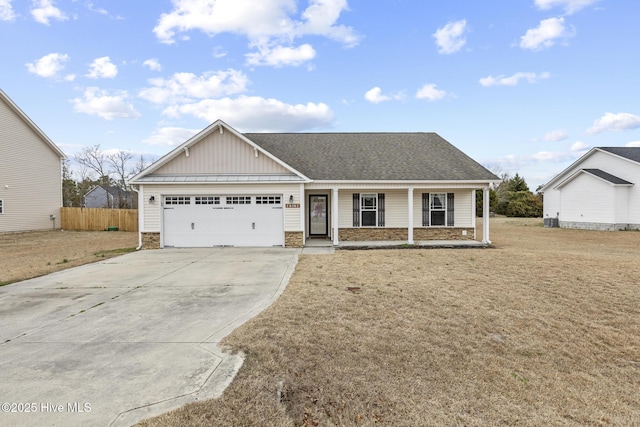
<point x="133" y="187"/>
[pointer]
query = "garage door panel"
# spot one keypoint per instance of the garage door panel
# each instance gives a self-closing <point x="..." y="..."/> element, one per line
<point x="233" y="224"/>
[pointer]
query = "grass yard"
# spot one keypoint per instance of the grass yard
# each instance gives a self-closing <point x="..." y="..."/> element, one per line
<point x="32" y="254"/>
<point x="543" y="329"/>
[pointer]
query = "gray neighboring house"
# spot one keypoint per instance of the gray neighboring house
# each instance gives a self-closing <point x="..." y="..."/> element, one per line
<point x="226" y="188"/>
<point x="599" y="191"/>
<point x="111" y="197"/>
<point x="30" y="173"/>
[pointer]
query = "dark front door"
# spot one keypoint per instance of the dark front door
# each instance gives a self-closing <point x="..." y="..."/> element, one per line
<point x="318" y="218"/>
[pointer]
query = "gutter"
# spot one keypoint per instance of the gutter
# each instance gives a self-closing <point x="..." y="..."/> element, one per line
<point x="133" y="187"/>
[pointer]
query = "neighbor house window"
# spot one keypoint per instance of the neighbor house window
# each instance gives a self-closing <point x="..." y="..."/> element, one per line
<point x="1" y="207"/>
<point x="177" y="200"/>
<point x="437" y="210"/>
<point x="368" y="210"/>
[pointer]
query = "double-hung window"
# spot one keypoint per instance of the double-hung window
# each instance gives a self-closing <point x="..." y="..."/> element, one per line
<point x="368" y="210"/>
<point x="437" y="210"/>
<point x="1" y="207"/>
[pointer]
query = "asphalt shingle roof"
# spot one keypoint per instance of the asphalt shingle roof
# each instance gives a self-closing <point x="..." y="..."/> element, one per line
<point x="631" y="153"/>
<point x="372" y="156"/>
<point x="607" y="176"/>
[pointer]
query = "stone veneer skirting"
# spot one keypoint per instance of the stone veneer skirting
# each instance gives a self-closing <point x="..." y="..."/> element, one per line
<point x="150" y="240"/>
<point x="598" y="226"/>
<point x="443" y="233"/>
<point x="372" y="234"/>
<point x="380" y="234"/>
<point x="293" y="239"/>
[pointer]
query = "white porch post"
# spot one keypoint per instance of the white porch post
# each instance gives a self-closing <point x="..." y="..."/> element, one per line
<point x="334" y="215"/>
<point x="302" y="214"/>
<point x="410" y="209"/>
<point x="485" y="216"/>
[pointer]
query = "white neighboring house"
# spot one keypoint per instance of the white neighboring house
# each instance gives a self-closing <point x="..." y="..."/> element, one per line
<point x="30" y="173"/>
<point x="226" y="188"/>
<point x="600" y="191"/>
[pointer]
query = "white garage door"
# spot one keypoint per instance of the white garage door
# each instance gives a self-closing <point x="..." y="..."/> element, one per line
<point x="221" y="220"/>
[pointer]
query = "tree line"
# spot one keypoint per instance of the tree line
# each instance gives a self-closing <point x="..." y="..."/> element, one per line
<point x="512" y="197"/>
<point x="96" y="167"/>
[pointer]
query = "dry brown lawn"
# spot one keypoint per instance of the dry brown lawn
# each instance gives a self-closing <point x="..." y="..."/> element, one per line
<point x="33" y="254"/>
<point x="542" y="329"/>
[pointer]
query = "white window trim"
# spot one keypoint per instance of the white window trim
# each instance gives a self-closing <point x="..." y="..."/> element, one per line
<point x="368" y="209"/>
<point x="443" y="209"/>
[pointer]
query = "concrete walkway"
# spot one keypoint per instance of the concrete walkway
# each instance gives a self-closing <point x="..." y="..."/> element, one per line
<point x="118" y="341"/>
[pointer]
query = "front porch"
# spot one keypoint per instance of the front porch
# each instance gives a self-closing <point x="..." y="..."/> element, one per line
<point x="393" y="215"/>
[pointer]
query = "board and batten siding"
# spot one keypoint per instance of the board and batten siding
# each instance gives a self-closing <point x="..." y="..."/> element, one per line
<point x="554" y="200"/>
<point x="396" y="205"/>
<point x="30" y="176"/>
<point x="153" y="210"/>
<point x="222" y="154"/>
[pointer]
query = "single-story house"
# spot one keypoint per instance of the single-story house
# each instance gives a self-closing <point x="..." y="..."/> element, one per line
<point x="107" y="196"/>
<point x="223" y="187"/>
<point x="30" y="173"/>
<point x="599" y="191"/>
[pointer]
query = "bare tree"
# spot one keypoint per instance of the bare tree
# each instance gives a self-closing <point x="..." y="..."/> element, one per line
<point x="119" y="168"/>
<point x="94" y="159"/>
<point x="141" y="165"/>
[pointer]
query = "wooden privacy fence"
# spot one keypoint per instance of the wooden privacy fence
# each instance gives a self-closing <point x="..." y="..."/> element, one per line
<point x="97" y="219"/>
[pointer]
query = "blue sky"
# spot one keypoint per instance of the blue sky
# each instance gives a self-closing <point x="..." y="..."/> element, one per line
<point x="524" y="86"/>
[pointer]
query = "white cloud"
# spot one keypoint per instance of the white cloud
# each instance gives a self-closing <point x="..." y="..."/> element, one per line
<point x="450" y="38"/>
<point x="514" y="162"/>
<point x="219" y="52"/>
<point x="97" y="102"/>
<point x="152" y="64"/>
<point x="280" y="55"/>
<point x="632" y="144"/>
<point x="554" y="136"/>
<point x="102" y="68"/>
<point x="49" y="65"/>
<point x="513" y="80"/>
<point x="6" y="11"/>
<point x="258" y="114"/>
<point x="570" y="6"/>
<point x="579" y="146"/>
<point x="185" y="87"/>
<point x="375" y="96"/>
<point x="170" y="136"/>
<point x="611" y="121"/>
<point x="266" y="19"/>
<point x="44" y="10"/>
<point x="98" y="10"/>
<point x="545" y="35"/>
<point x="430" y="92"/>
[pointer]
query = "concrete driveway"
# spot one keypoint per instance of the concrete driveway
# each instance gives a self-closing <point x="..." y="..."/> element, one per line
<point x="115" y="342"/>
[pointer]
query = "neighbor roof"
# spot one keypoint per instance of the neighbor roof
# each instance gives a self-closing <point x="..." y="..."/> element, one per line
<point x="607" y="177"/>
<point x="631" y="153"/>
<point x="372" y="156"/>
